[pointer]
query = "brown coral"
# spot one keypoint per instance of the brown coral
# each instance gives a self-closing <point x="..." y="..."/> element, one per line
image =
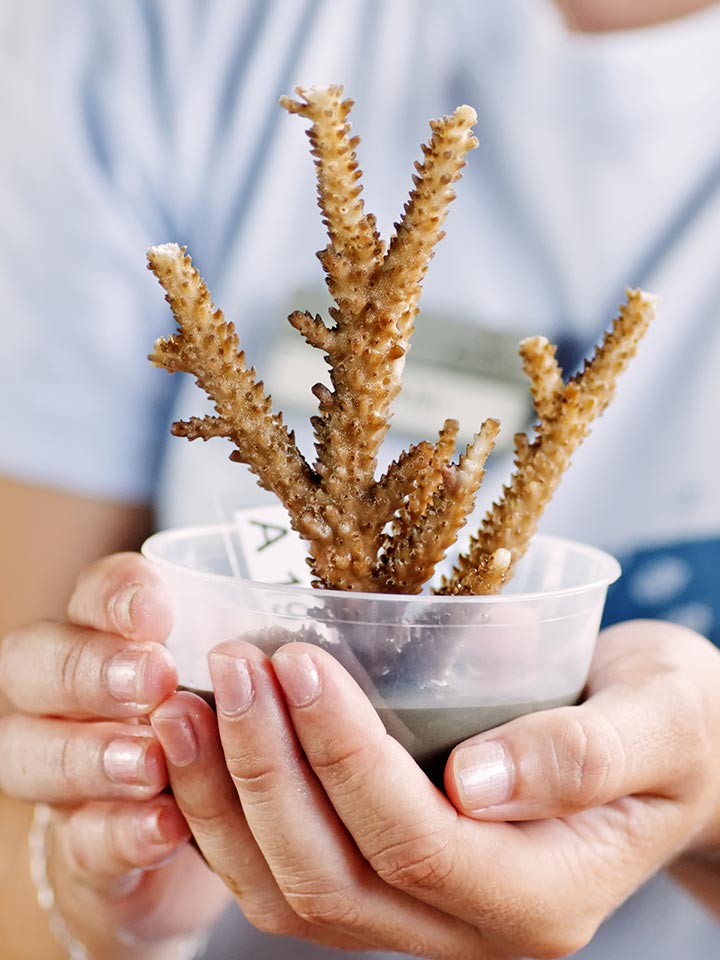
<point x="565" y="413"/>
<point x="386" y="534"/>
<point x="338" y="505"/>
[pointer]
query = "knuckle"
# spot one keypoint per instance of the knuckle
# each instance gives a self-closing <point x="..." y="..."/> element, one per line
<point x="337" y="908"/>
<point x="278" y="919"/>
<point x="688" y="709"/>
<point x="67" y="760"/>
<point x="547" y="930"/>
<point x="8" y="736"/>
<point x="421" y="863"/>
<point x="588" y="759"/>
<point x="76" y="763"/>
<point x="72" y="666"/>
<point x="209" y="824"/>
<point x="121" y="844"/>
<point x="561" y="938"/>
<point x="102" y="841"/>
<point x="226" y="854"/>
<point x="557" y="946"/>
<point x="79" y="859"/>
<point x="77" y="839"/>
<point x="8" y="724"/>
<point x="256" y="784"/>
<point x="100" y="584"/>
<point x="82" y="856"/>
<point x="691" y="729"/>
<point x="79" y="854"/>
<point x="16" y="654"/>
<point x="345" y="768"/>
<point x="8" y="643"/>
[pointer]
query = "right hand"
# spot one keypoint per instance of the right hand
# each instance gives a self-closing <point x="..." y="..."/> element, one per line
<point x="78" y="739"/>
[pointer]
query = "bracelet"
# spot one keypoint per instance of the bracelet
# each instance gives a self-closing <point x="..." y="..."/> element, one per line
<point x="192" y="948"/>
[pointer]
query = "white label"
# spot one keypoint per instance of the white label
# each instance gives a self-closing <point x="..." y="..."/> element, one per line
<point x="272" y="552"/>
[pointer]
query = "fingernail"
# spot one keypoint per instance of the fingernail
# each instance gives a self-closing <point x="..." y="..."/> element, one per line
<point x="161" y="826"/>
<point x="124" y="760"/>
<point x="177" y="738"/>
<point x="483" y="774"/>
<point x="298" y="677"/>
<point x="121" y="608"/>
<point x="124" y="675"/>
<point x="232" y="683"/>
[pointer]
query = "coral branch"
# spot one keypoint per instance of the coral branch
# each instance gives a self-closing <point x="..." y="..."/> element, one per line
<point x="313" y="329"/>
<point x="420" y="227"/>
<point x="202" y="428"/>
<point x="541" y="367"/>
<point x="387" y="534"/>
<point x="512" y="521"/>
<point x="355" y="249"/>
<point x="207" y="347"/>
<point x="403" y="477"/>
<point x="367" y="346"/>
<point x="422" y="487"/>
<point x="410" y="561"/>
<point x="618" y="347"/>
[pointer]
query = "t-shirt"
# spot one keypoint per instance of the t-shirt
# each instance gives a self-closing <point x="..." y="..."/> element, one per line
<point x="126" y="125"/>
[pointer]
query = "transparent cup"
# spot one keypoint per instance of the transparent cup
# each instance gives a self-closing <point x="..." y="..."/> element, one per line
<point x="436" y="669"/>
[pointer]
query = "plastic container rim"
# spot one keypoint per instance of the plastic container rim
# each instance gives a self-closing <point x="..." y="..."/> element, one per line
<point x="150" y="551"/>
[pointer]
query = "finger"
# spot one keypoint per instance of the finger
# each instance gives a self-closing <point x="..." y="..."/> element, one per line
<point x="63" y="670"/>
<point x="638" y="734"/>
<point x="361" y="767"/>
<point x="110" y="844"/>
<point x="313" y="859"/>
<point x="404" y="827"/>
<point x="61" y="762"/>
<point x="513" y="881"/>
<point x="122" y="594"/>
<point x="187" y="729"/>
<point x="131" y="865"/>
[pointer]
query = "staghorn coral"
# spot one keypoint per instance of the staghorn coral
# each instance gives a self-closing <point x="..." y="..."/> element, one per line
<point x="337" y="504"/>
<point x="565" y="413"/>
<point x="383" y="534"/>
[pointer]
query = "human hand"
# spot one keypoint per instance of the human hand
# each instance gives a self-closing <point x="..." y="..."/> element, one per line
<point x="325" y="828"/>
<point x="78" y="739"/>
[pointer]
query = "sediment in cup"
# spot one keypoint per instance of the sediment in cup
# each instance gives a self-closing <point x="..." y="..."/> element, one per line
<point x="430" y="733"/>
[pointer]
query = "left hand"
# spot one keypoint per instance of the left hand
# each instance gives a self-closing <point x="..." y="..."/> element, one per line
<point x="77" y="738"/>
<point x="325" y="828"/>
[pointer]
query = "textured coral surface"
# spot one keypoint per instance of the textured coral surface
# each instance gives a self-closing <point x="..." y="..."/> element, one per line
<point x="387" y="533"/>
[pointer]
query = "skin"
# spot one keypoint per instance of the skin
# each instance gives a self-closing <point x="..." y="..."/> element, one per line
<point x="38" y="574"/>
<point x="602" y="795"/>
<point x="342" y="831"/>
<point x="321" y="825"/>
<point x="591" y="16"/>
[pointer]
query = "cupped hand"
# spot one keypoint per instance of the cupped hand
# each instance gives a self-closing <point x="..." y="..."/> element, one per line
<point x="78" y="738"/>
<point x="325" y="828"/>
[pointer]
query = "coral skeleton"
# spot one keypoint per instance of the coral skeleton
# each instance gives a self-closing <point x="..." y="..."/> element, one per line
<point x="383" y="534"/>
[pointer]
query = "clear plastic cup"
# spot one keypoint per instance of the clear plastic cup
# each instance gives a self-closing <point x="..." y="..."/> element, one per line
<point x="437" y="669"/>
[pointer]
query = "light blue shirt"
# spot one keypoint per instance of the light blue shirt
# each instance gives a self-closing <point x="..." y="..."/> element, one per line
<point x="125" y="125"/>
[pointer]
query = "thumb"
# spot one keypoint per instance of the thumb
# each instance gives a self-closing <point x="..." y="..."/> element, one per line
<point x="623" y="741"/>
